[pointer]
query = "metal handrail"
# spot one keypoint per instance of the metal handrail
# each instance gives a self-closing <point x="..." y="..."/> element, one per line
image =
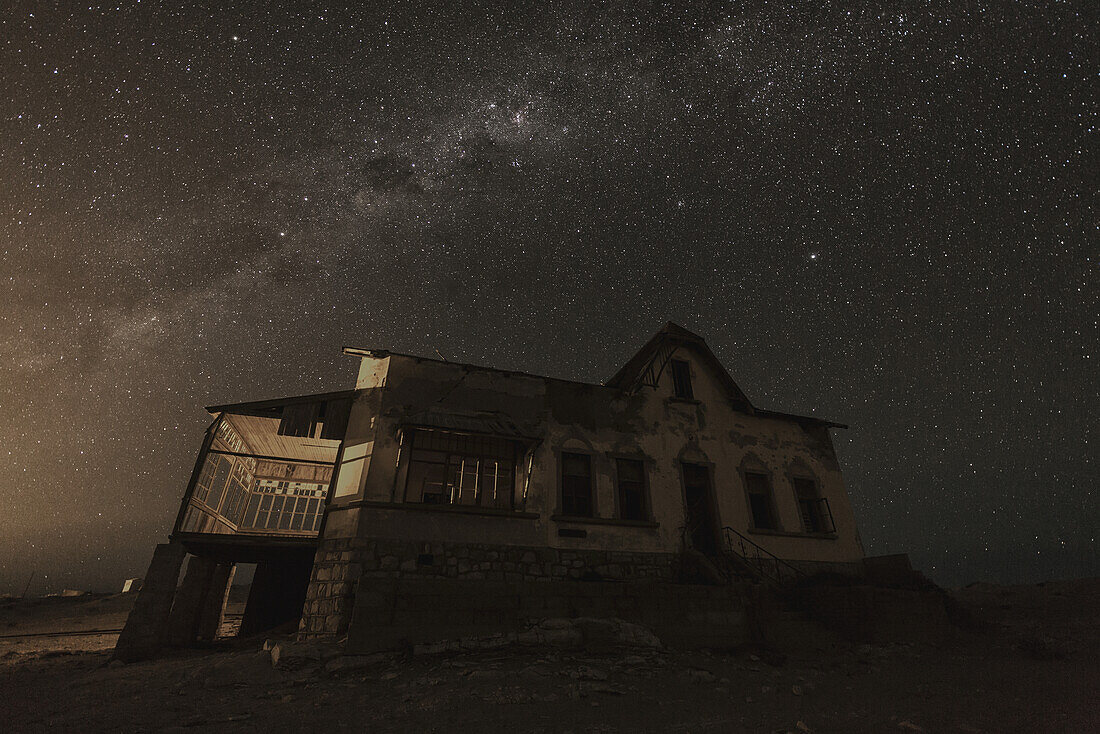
<point x="760" y="557"/>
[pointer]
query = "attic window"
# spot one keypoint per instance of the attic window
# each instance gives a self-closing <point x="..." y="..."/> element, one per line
<point x="681" y="379"/>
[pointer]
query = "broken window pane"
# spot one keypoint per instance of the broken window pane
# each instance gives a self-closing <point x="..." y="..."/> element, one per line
<point x="456" y="469"/>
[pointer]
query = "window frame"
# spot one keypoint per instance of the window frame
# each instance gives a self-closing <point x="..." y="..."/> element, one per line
<point x="408" y="460"/>
<point x="647" y="504"/>
<point x="759" y="469"/>
<point x="823" y="517"/>
<point x="686" y="381"/>
<point x="590" y="457"/>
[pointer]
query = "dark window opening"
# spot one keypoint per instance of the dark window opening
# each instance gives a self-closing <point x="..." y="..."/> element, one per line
<point x="456" y="469"/>
<point x="632" y="499"/>
<point x="576" y="485"/>
<point x="760" y="501"/>
<point x="681" y="379"/>
<point x="811" y="506"/>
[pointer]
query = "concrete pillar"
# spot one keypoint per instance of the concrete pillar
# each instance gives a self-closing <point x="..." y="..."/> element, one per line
<point x="146" y="627"/>
<point x="200" y="601"/>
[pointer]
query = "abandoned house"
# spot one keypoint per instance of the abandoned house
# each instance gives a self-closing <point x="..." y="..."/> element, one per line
<point x="437" y="498"/>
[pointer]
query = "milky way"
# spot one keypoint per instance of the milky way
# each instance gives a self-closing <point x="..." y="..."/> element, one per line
<point x="882" y="214"/>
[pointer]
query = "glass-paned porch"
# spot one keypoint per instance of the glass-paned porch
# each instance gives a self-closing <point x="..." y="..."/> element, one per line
<point x="265" y="471"/>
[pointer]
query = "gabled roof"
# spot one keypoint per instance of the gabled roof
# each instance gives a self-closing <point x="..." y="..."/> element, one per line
<point x="646" y="366"/>
<point x="650" y="361"/>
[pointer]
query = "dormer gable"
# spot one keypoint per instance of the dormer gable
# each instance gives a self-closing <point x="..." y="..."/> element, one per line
<point x="666" y="361"/>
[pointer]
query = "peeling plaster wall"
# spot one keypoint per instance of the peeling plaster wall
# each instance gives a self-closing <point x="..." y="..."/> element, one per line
<point x="372" y="372"/>
<point x="606" y="423"/>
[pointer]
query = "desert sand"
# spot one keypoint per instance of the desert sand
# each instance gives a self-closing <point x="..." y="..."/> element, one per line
<point x="1029" y="663"/>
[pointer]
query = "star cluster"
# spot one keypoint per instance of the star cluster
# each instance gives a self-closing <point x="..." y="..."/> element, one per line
<point x="881" y="213"/>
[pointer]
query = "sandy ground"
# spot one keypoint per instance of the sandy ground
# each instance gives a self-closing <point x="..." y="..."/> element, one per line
<point x="1034" y="668"/>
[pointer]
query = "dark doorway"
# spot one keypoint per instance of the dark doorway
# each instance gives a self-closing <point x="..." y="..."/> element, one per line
<point x="702" y="527"/>
<point x="277" y="595"/>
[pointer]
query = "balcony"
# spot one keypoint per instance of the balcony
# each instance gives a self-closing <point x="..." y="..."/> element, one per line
<point x="265" y="469"/>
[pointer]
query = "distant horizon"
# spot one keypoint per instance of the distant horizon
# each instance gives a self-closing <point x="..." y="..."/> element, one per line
<point x="1074" y="569"/>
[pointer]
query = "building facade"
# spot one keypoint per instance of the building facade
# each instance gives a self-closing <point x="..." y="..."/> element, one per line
<point x="433" y="470"/>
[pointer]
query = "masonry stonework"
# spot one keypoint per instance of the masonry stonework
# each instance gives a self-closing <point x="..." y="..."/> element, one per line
<point x="343" y="564"/>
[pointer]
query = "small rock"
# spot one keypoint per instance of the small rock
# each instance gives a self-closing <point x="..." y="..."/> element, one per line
<point x="604" y="688"/>
<point x="349" y="663"/>
<point x="389" y="676"/>
<point x="910" y="726"/>
<point x="291" y="655"/>
<point x="556" y="623"/>
<point x="796" y="690"/>
<point x="429" y="648"/>
<point x="803" y="726"/>
<point x="585" y="672"/>
<point x="700" y="676"/>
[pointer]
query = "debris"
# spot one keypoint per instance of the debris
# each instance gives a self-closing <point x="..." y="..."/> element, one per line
<point x="585" y="672"/>
<point x="910" y="726"/>
<point x="295" y="655"/>
<point x="604" y="688"/>
<point x="700" y="676"/>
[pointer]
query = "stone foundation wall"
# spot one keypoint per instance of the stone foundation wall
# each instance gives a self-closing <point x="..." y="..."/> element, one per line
<point x="340" y="563"/>
<point x="394" y="613"/>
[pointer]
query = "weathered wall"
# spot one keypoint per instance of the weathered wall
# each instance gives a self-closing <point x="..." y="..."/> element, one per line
<point x="607" y="424"/>
<point x="370" y="533"/>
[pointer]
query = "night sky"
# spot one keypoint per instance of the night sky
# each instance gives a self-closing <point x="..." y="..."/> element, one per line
<point x="879" y="213"/>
